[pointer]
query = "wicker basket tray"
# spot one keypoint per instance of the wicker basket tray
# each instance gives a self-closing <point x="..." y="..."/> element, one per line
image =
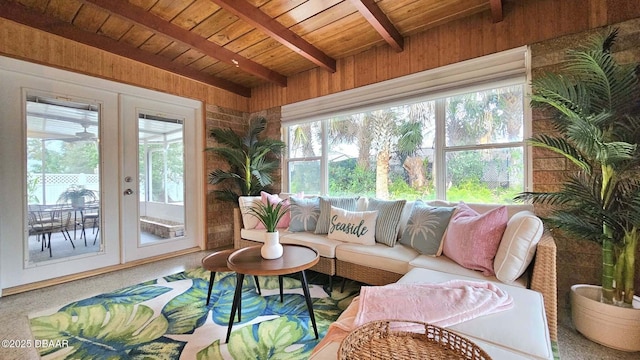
<point x="377" y="340"/>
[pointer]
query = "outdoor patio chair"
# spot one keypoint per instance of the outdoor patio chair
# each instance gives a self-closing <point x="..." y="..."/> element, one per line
<point x="43" y="221"/>
<point x="90" y="216"/>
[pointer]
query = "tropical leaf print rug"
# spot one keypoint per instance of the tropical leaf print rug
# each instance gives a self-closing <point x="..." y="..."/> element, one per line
<point x="167" y="318"/>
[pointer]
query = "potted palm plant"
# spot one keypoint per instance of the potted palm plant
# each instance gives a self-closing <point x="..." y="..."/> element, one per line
<point x="269" y="215"/>
<point x="252" y="161"/>
<point x="76" y="195"/>
<point x="594" y="104"/>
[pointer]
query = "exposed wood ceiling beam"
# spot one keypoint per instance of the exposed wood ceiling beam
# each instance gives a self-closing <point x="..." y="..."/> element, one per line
<point x="255" y="17"/>
<point x="126" y="10"/>
<point x="496" y="10"/>
<point x="380" y="22"/>
<point x="23" y="15"/>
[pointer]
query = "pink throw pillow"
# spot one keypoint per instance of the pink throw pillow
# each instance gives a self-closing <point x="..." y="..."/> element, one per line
<point x="472" y="239"/>
<point x="274" y="200"/>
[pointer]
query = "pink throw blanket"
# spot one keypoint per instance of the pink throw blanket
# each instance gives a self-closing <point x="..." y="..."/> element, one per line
<point x="444" y="304"/>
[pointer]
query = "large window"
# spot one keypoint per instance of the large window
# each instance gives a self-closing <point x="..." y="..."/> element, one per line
<point x="483" y="148"/>
<point x="468" y="146"/>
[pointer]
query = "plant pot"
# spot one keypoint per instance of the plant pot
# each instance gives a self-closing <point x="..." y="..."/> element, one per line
<point x="77" y="203"/>
<point x="272" y="249"/>
<point x="609" y="325"/>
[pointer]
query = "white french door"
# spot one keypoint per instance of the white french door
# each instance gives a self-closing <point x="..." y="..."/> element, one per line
<point x="158" y="214"/>
<point x="140" y="159"/>
<point x="47" y="134"/>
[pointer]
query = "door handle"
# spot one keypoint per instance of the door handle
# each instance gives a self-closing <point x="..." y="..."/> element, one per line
<point x="128" y="192"/>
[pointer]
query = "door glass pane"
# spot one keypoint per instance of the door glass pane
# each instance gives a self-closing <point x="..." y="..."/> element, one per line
<point x="161" y="178"/>
<point x="62" y="178"/>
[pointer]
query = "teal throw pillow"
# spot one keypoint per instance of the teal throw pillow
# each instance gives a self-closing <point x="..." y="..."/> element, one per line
<point x="304" y="213"/>
<point x="426" y="227"/>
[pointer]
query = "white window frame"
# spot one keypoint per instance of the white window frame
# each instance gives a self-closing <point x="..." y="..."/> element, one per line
<point x="511" y="67"/>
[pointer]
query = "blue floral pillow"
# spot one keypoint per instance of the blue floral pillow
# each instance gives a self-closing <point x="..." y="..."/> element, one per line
<point x="304" y="213"/>
<point x="426" y="227"/>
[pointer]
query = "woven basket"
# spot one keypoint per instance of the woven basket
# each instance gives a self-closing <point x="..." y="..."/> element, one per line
<point x="377" y="340"/>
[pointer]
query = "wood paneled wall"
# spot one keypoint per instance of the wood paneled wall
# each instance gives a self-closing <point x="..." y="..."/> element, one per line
<point x="25" y="43"/>
<point x="525" y="22"/>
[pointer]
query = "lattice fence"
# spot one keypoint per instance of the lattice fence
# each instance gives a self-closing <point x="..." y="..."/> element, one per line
<point x="48" y="188"/>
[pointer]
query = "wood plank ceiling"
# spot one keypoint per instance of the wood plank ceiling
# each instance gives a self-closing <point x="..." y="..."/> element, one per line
<point x="238" y="44"/>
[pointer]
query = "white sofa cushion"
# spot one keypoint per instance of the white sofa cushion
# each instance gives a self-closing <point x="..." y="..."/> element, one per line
<point x="379" y="256"/>
<point x="330" y="351"/>
<point x="444" y="264"/>
<point x="325" y="246"/>
<point x="357" y="227"/>
<point x="512" y="209"/>
<point x="246" y="202"/>
<point x="362" y="203"/>
<point x="257" y="234"/>
<point x="285" y="195"/>
<point x="521" y="330"/>
<point x="518" y="245"/>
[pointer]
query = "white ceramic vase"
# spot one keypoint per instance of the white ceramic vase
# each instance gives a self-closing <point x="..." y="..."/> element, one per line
<point x="272" y="249"/>
<point x="613" y="326"/>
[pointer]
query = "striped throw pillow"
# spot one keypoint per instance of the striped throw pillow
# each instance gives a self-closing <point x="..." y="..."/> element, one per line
<point x="349" y="204"/>
<point x="388" y="222"/>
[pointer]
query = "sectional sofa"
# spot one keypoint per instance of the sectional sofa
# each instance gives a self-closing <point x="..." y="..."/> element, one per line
<point x="524" y="264"/>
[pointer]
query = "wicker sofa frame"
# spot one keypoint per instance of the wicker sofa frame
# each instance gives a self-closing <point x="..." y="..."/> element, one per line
<point x="543" y="271"/>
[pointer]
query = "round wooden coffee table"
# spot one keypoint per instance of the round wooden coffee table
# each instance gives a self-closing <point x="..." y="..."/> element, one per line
<point x="248" y="261"/>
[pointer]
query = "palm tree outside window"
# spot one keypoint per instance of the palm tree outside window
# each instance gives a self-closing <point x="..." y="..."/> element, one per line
<point x="469" y="147"/>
